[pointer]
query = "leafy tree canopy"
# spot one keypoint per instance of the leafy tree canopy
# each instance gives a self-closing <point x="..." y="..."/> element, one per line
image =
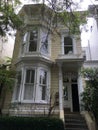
<point x="8" y="18"/>
<point x="68" y="11"/>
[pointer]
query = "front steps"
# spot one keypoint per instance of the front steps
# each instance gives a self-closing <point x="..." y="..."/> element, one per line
<point x="75" y="122"/>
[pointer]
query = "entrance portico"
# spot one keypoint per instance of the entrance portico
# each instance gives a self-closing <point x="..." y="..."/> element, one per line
<point x="69" y="84"/>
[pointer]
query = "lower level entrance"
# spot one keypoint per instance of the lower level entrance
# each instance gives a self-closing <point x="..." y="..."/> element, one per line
<point x="70" y="93"/>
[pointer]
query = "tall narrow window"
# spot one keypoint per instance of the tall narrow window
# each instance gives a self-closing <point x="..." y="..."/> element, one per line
<point x="44" y="43"/>
<point x="29" y="84"/>
<point x="43" y="83"/>
<point x="24" y="43"/>
<point x="68" y="45"/>
<point x="17" y="90"/>
<point x="33" y="40"/>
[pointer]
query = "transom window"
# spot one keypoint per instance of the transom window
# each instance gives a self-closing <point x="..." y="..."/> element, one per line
<point x="32" y="85"/>
<point x="68" y="45"/>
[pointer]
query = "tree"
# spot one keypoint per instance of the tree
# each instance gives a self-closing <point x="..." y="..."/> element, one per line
<point x="8" y="18"/>
<point x="66" y="12"/>
<point x="90" y="94"/>
<point x="6" y="81"/>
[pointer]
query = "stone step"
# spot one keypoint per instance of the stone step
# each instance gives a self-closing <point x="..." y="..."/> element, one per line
<point x="75" y="122"/>
<point x="75" y="129"/>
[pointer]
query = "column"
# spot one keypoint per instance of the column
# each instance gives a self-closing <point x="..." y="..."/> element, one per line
<point x="61" y="92"/>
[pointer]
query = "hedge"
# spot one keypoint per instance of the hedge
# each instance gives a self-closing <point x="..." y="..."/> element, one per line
<point x="30" y="123"/>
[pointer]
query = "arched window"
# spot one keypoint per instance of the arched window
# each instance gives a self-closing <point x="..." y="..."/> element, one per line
<point x="68" y="45"/>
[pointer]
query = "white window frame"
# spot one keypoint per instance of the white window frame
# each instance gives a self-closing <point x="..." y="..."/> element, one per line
<point x="24" y="83"/>
<point x="62" y="41"/>
<point x="28" y="40"/>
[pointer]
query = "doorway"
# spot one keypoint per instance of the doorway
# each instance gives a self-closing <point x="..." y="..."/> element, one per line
<point x="75" y="98"/>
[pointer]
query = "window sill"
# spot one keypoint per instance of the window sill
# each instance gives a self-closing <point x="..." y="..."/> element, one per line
<point x="28" y="101"/>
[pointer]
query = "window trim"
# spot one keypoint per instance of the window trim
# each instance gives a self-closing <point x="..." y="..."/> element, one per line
<point x="62" y="41"/>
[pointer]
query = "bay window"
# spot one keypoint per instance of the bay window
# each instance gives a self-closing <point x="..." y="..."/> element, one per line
<point x="35" y="40"/>
<point x="33" y="85"/>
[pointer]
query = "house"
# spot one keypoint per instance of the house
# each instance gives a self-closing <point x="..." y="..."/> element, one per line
<point x="47" y="60"/>
<point x="92" y="44"/>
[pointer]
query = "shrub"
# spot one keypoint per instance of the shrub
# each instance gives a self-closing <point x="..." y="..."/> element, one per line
<point x="30" y="123"/>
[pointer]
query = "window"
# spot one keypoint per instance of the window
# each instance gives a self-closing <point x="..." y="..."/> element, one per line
<point x="44" y="44"/>
<point x="68" y="45"/>
<point x="33" y="41"/>
<point x="32" y="85"/>
<point x="30" y="40"/>
<point x="43" y="83"/>
<point x="29" y="84"/>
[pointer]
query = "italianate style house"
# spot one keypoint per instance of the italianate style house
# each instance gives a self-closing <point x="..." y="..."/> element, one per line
<point x="47" y="60"/>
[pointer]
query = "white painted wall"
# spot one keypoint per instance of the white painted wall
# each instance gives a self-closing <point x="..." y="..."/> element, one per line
<point x="89" y="39"/>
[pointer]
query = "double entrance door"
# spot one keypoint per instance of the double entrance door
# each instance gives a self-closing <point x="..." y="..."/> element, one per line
<point x="70" y="94"/>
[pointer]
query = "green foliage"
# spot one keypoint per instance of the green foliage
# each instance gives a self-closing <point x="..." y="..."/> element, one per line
<point x="23" y="123"/>
<point x="73" y="20"/>
<point x="6" y="77"/>
<point x="8" y="18"/>
<point x="90" y="94"/>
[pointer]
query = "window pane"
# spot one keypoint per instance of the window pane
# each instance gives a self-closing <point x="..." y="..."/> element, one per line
<point x="67" y="41"/>
<point x="68" y="46"/>
<point x="43" y="83"/>
<point x="44" y="42"/>
<point x="43" y="77"/>
<point x="33" y="40"/>
<point x="27" y="76"/>
<point x="33" y="46"/>
<point x="43" y="92"/>
<point x="28" y="91"/>
<point x="30" y="74"/>
<point x="67" y="50"/>
<point x="29" y="84"/>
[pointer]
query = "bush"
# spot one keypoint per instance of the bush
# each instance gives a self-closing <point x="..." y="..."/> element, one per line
<point x="30" y="123"/>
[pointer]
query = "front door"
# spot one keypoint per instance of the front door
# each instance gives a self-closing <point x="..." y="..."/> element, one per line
<point x="75" y="97"/>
